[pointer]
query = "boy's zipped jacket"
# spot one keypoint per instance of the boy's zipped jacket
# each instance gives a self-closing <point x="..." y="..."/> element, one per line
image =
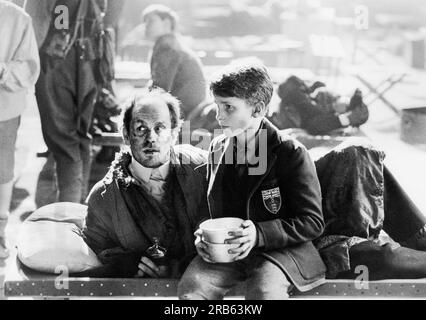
<point x="284" y="202"/>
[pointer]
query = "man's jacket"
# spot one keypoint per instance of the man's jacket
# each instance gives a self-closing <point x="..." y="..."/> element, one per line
<point x="284" y="202"/>
<point x="111" y="230"/>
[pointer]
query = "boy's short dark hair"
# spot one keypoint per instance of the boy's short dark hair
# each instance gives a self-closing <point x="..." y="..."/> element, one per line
<point x="172" y="103"/>
<point x="163" y="12"/>
<point x="244" y="79"/>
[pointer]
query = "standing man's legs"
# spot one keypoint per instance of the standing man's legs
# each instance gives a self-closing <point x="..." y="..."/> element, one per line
<point x="87" y="93"/>
<point x="8" y="134"/>
<point x="63" y="109"/>
<point x="208" y="281"/>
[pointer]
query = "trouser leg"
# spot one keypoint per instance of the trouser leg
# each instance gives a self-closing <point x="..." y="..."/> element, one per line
<point x="87" y="89"/>
<point x="266" y="281"/>
<point x="65" y="95"/>
<point x="385" y="262"/>
<point x="8" y="135"/>
<point x="402" y="217"/>
<point x="322" y="124"/>
<point x="208" y="281"/>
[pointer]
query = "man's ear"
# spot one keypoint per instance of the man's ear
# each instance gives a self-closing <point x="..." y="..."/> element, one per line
<point x="125" y="135"/>
<point x="259" y="110"/>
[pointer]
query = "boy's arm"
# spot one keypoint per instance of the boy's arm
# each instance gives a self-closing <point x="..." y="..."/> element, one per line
<point x="300" y="218"/>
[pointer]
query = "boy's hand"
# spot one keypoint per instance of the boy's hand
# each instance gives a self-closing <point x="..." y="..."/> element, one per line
<point x="246" y="236"/>
<point x="150" y="269"/>
<point x="201" y="247"/>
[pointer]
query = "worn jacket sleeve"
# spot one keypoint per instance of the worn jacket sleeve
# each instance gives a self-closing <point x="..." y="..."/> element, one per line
<point x="300" y="218"/>
<point x="22" y="71"/>
<point x="97" y="227"/>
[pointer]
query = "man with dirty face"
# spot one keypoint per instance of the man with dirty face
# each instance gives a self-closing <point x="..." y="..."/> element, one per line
<point x="152" y="195"/>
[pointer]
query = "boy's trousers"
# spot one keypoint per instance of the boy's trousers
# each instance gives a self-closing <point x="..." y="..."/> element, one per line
<point x="211" y="281"/>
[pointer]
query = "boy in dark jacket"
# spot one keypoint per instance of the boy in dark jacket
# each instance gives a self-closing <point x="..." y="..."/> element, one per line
<point x="267" y="179"/>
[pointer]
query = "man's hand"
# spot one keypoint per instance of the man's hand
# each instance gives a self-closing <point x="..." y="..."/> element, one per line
<point x="246" y="236"/>
<point x="147" y="268"/>
<point x="201" y="247"/>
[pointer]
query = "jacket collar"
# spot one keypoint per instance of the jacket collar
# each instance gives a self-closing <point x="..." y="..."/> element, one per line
<point x="120" y="173"/>
<point x="143" y="174"/>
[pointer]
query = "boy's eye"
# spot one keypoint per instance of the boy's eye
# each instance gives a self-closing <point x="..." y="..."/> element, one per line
<point x="229" y="108"/>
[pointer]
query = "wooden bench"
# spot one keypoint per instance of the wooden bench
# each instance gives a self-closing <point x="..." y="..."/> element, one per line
<point x="43" y="286"/>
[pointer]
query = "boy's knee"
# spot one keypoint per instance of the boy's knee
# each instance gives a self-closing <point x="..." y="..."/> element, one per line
<point x="190" y="288"/>
<point x="268" y="288"/>
<point x="273" y="290"/>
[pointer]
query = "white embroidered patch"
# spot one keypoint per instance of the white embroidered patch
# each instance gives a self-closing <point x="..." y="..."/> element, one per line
<point x="272" y="199"/>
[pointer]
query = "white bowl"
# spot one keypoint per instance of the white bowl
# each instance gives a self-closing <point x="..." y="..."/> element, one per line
<point x="216" y="230"/>
<point x="218" y="252"/>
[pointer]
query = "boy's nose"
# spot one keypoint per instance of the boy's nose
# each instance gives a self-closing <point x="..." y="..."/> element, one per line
<point x="220" y="115"/>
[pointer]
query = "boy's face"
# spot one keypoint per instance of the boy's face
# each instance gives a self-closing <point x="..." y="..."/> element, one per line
<point x="234" y="113"/>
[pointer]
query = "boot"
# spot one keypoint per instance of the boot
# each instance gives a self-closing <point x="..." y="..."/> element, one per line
<point x="358" y="112"/>
<point x="4" y="252"/>
<point x="356" y="100"/>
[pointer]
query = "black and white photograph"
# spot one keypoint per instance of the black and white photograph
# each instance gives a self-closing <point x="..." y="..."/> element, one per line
<point x="212" y="150"/>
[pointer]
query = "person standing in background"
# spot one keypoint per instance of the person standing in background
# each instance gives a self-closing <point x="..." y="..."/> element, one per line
<point x="67" y="89"/>
<point x="19" y="70"/>
<point x="174" y="66"/>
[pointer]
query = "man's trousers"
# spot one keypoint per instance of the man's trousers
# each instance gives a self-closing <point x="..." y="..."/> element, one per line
<point x="66" y="93"/>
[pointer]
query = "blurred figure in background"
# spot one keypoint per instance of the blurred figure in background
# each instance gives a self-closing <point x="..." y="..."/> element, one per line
<point x="19" y="70"/>
<point x="174" y="66"/>
<point x="73" y="69"/>
<point x="315" y="109"/>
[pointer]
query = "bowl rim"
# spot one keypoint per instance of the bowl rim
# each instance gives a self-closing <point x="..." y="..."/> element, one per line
<point x="219" y="229"/>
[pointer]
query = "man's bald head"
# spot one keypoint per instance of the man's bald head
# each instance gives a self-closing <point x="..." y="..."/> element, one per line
<point x="151" y="127"/>
<point x="155" y="97"/>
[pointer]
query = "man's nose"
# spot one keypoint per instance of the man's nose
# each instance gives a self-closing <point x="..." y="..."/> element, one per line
<point x="152" y="136"/>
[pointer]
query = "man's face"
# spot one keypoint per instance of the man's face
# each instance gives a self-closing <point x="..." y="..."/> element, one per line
<point x="156" y="27"/>
<point x="150" y="136"/>
<point x="234" y="113"/>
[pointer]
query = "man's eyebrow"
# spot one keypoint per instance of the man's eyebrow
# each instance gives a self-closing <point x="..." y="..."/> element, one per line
<point x="139" y="121"/>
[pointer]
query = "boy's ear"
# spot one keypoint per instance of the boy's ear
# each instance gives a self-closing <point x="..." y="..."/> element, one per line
<point x="259" y="110"/>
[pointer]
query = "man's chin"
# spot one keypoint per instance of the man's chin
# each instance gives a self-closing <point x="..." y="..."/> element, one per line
<point x="152" y="161"/>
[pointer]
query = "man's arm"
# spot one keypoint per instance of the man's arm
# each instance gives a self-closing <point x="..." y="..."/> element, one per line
<point x="303" y="203"/>
<point x="96" y="231"/>
<point x="21" y="73"/>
